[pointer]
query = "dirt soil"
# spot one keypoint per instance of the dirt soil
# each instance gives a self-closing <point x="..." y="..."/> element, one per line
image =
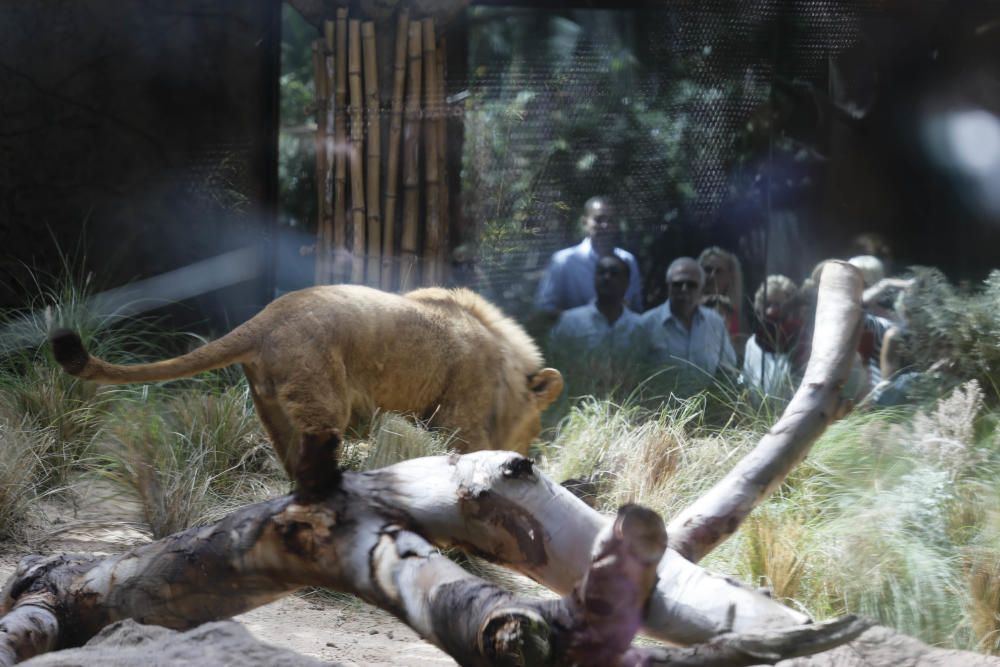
<point x="312" y="623"/>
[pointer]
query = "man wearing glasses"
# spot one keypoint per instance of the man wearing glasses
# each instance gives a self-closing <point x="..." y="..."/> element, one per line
<point x="606" y="323"/>
<point x="682" y="333"/>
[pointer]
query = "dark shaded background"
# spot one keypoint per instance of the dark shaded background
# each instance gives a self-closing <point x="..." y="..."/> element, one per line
<point x="142" y="134"/>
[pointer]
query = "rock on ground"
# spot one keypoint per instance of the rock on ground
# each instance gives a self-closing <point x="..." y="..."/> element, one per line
<point x="223" y="643"/>
<point x="884" y="647"/>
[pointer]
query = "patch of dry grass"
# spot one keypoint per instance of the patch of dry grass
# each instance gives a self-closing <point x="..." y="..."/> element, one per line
<point x="23" y="447"/>
<point x="188" y="456"/>
<point x="392" y="438"/>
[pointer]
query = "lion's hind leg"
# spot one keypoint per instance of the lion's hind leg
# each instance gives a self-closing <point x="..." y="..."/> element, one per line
<point x="317" y="413"/>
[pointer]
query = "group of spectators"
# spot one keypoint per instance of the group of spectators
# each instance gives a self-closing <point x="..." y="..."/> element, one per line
<point x="591" y="293"/>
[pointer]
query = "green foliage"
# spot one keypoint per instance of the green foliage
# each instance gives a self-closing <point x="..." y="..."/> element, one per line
<point x="953" y="330"/>
<point x="297" y="138"/>
<point x="561" y="110"/>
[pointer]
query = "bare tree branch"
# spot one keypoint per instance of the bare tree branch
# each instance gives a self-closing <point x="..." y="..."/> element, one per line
<point x="717" y="514"/>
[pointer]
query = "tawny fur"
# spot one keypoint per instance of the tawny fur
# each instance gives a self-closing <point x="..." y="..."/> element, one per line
<point x="316" y="357"/>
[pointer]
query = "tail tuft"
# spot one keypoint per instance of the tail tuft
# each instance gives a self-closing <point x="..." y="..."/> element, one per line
<point x="69" y="351"/>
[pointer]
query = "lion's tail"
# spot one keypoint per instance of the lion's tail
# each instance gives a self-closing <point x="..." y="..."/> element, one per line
<point x="69" y="351"/>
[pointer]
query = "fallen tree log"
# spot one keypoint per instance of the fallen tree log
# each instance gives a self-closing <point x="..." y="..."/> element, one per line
<point x="266" y="550"/>
<point x="372" y="534"/>
<point x="349" y="542"/>
<point x="496" y="506"/>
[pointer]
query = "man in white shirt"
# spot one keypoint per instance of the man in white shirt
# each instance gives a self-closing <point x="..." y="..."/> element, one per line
<point x="568" y="281"/>
<point x="605" y="323"/>
<point x="684" y="334"/>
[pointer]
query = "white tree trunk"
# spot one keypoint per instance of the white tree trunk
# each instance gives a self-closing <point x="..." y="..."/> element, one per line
<point x="496" y="505"/>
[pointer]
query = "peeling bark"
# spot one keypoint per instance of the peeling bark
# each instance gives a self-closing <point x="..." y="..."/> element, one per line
<point x="732" y="650"/>
<point x="345" y="542"/>
<point x="28" y="630"/>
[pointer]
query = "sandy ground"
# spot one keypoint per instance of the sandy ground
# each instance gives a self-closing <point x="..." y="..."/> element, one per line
<point x="346" y="631"/>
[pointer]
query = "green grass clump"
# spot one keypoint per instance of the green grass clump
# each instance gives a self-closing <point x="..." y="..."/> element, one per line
<point x="662" y="458"/>
<point x="36" y="389"/>
<point x="189" y="455"/>
<point x="953" y="329"/>
<point x="23" y="450"/>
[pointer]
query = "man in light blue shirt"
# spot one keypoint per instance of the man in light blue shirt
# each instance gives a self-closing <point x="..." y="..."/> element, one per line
<point x="568" y="281"/>
<point x="684" y="334"/>
<point x="606" y="323"/>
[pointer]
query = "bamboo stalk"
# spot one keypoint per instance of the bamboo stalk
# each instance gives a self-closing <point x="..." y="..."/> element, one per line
<point x="432" y="223"/>
<point x="340" y="140"/>
<point x="411" y="163"/>
<point x="395" y="133"/>
<point x="329" y="151"/>
<point x="374" y="258"/>
<point x="357" y="166"/>
<point x="441" y="121"/>
<point x="323" y="233"/>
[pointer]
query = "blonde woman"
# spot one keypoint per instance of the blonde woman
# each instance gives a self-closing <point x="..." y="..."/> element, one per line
<point x="724" y="290"/>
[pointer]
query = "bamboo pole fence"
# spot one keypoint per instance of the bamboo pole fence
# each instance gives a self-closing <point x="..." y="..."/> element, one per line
<point x="339" y="141"/>
<point x="393" y="221"/>
<point x="324" y="227"/>
<point x="441" y="121"/>
<point x="408" y="268"/>
<point x="357" y="139"/>
<point x="432" y="225"/>
<point x="395" y="135"/>
<point x="374" y="168"/>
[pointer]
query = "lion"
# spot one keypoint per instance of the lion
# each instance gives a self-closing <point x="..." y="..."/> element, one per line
<point x="317" y="357"/>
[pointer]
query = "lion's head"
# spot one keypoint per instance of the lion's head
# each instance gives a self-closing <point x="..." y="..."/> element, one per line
<point x="543" y="387"/>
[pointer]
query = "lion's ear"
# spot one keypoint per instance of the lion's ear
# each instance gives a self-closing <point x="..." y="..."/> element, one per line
<point x="546" y="385"/>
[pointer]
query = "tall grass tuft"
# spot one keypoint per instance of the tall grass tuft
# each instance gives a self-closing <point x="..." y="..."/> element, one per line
<point x="661" y="458"/>
<point x="22" y="469"/>
<point x="956" y="326"/>
<point x="35" y="388"/>
<point x="187" y="456"/>
<point x="66" y="409"/>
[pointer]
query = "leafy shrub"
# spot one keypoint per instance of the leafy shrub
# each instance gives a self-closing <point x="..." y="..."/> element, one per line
<point x="954" y="330"/>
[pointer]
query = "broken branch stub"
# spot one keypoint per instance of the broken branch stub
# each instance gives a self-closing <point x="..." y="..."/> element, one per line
<point x="717" y="514"/>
